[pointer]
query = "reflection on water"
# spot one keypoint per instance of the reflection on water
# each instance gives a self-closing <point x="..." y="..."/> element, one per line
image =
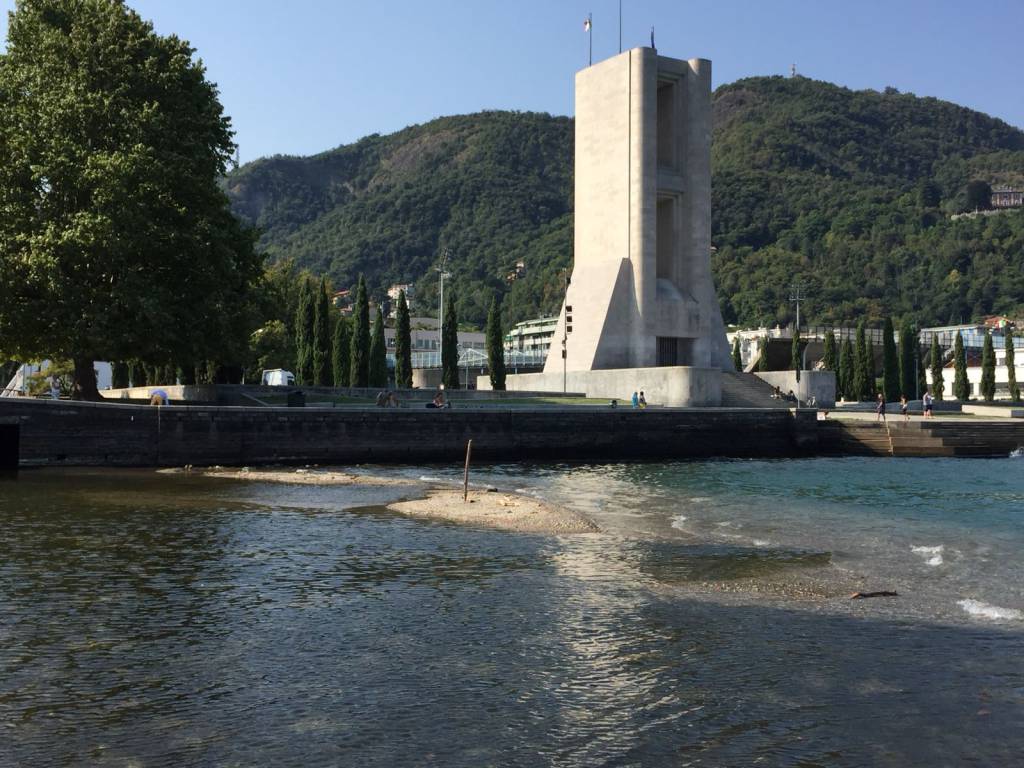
<point x="160" y="621"/>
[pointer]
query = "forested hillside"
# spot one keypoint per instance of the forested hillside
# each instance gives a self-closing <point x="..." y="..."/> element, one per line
<point x="845" y="192"/>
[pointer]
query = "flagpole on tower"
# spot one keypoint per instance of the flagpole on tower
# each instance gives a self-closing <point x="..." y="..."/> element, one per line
<point x="588" y="25"/>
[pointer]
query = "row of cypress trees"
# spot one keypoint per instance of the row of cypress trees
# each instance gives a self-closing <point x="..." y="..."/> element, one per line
<point x="354" y="356"/>
<point x="903" y="367"/>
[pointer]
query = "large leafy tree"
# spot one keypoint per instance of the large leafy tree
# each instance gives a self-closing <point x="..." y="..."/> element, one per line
<point x="495" y="341"/>
<point x="403" y="344"/>
<point x="115" y="238"/>
<point x="359" y="367"/>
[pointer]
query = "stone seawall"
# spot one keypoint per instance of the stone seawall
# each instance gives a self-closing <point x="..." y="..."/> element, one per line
<point x="89" y="434"/>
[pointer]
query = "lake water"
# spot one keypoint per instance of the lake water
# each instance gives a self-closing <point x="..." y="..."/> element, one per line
<point x="169" y="620"/>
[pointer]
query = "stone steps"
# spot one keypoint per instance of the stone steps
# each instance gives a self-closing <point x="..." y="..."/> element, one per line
<point x="745" y="390"/>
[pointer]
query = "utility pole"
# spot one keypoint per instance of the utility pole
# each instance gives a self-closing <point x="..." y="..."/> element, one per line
<point x="440" y="310"/>
<point x="796" y="295"/>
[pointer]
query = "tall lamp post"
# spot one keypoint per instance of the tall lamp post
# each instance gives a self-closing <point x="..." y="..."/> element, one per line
<point x="440" y="310"/>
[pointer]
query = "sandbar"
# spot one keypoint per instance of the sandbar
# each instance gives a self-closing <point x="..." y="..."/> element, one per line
<point x="501" y="511"/>
<point x="302" y="476"/>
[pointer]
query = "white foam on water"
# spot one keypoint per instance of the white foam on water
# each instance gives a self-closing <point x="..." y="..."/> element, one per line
<point x="1017" y="453"/>
<point x="724" y="524"/>
<point x="677" y="522"/>
<point x="932" y="555"/>
<point x="986" y="611"/>
<point x="761" y="543"/>
<point x="699" y="499"/>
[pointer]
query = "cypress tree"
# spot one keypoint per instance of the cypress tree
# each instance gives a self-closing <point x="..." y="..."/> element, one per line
<point x="861" y="385"/>
<point x="321" y="343"/>
<point x="450" y="351"/>
<point x="1011" y="368"/>
<point x="961" y="387"/>
<point x="794" y="355"/>
<point x="341" y="350"/>
<point x="495" y="347"/>
<point x="938" y="384"/>
<point x="304" y="334"/>
<point x="872" y="372"/>
<point x="187" y="373"/>
<point x="828" y="358"/>
<point x="988" y="369"/>
<point x="908" y="360"/>
<point x="359" y="366"/>
<point x="846" y="371"/>
<point x="762" y="353"/>
<point x="890" y="364"/>
<point x="378" y="352"/>
<point x="403" y="345"/>
<point x="922" y="378"/>
<point x="737" y="359"/>
<point x="137" y="373"/>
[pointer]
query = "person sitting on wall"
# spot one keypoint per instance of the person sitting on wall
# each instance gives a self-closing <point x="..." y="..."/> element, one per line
<point x="393" y="401"/>
<point x="643" y="400"/>
<point x="158" y="397"/>
<point x="635" y="399"/>
<point x="382" y="399"/>
<point x="790" y="397"/>
<point x="439" y="401"/>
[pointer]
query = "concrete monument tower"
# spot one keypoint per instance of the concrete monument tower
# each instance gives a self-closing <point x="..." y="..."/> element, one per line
<point x="641" y="293"/>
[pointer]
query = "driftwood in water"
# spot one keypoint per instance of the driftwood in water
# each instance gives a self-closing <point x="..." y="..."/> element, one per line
<point x="862" y="595"/>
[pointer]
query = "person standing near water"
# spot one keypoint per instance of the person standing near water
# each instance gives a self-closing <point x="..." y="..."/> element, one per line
<point x="928" y="404"/>
<point x="903" y="408"/>
<point x="880" y="408"/>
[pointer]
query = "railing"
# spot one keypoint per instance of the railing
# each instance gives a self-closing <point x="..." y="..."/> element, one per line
<point x="476" y="358"/>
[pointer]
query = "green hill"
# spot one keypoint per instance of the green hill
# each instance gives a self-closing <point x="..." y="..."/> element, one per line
<point x="847" y="192"/>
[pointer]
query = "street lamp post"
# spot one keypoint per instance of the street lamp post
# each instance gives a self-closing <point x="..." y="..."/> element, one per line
<point x="440" y="311"/>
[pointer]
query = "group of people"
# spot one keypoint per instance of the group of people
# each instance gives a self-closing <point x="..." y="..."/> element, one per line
<point x="387" y="399"/>
<point x="789" y="396"/>
<point x="928" y="403"/>
<point x="638" y="400"/>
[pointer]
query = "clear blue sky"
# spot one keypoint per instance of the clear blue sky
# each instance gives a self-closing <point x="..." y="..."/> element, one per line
<point x="302" y="76"/>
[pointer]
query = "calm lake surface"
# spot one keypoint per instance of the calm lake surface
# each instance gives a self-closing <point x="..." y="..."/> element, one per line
<point x="167" y="620"/>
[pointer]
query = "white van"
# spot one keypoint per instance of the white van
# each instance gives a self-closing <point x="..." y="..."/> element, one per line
<point x="278" y="377"/>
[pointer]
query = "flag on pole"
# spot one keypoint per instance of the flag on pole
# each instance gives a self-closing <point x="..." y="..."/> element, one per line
<point x="586" y="25"/>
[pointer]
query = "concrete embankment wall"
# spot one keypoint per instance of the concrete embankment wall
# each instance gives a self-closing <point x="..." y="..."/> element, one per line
<point x="88" y="434"/>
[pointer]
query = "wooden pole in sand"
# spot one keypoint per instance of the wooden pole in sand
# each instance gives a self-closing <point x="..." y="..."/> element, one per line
<point x="465" y="475"/>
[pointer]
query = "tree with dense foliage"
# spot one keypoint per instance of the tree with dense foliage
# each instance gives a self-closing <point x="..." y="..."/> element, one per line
<point x="829" y="355"/>
<point x="979" y="195"/>
<point x="863" y="371"/>
<point x="359" y="366"/>
<point x="495" y="341"/>
<point x="987" y="386"/>
<point x="937" y="364"/>
<point x="304" y="325"/>
<point x="322" y="373"/>
<point x="794" y="352"/>
<point x="450" y="345"/>
<point x="961" y="386"/>
<point x="762" y="354"/>
<point x="378" y="352"/>
<point x="115" y="236"/>
<point x="1011" y="366"/>
<point x="908" y="361"/>
<point x="890" y="363"/>
<point x="846" y="377"/>
<point x="403" y="344"/>
<point x="341" y="353"/>
<point x="872" y="371"/>
<point x="737" y="358"/>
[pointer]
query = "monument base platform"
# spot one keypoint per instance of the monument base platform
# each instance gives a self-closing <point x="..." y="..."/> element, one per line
<point x="677" y="386"/>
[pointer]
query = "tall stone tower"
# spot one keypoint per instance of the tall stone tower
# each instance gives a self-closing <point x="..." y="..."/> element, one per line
<point x="641" y="294"/>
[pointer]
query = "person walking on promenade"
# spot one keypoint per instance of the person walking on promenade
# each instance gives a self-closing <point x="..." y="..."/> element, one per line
<point x="635" y="400"/>
<point x="929" y="402"/>
<point x="904" y="406"/>
<point x="880" y="408"/>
